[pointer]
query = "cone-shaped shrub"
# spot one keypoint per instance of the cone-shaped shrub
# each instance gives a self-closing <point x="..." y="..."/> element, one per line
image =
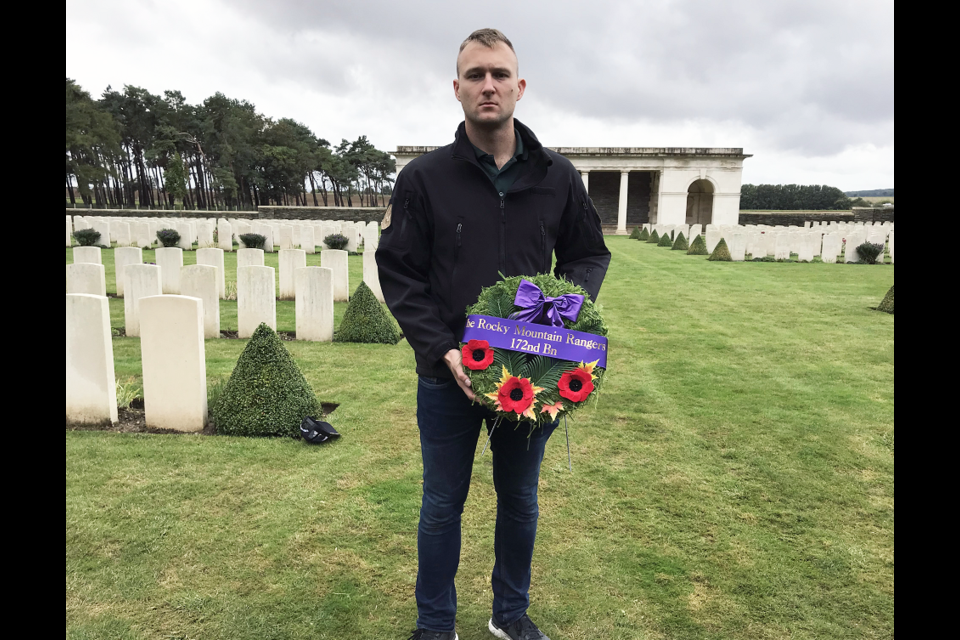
<point x="680" y="244"/>
<point x="721" y="253"/>
<point x="698" y="247"/>
<point x="267" y="394"/>
<point x="887" y="304"/>
<point x="665" y="241"/>
<point x="654" y="237"/>
<point x="635" y="234"/>
<point x="366" y="320"/>
<point x="644" y="235"/>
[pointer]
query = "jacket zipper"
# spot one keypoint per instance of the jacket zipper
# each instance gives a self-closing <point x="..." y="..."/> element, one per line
<point x="543" y="248"/>
<point x="456" y="251"/>
<point x="503" y="236"/>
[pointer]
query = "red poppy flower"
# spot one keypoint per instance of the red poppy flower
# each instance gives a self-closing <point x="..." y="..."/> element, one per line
<point x="576" y="385"/>
<point x="516" y="394"/>
<point x="477" y="355"/>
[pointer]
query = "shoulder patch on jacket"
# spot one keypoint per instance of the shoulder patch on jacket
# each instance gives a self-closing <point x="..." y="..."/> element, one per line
<point x="386" y="217"/>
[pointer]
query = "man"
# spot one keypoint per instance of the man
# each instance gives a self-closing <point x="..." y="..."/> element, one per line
<point x="495" y="201"/>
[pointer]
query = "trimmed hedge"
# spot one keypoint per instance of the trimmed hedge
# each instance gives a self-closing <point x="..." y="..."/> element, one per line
<point x="87" y="237"/>
<point x="869" y="252"/>
<point x="366" y="320"/>
<point x="665" y="241"/>
<point x="654" y="237"/>
<point x="267" y="395"/>
<point x="721" y="253"/>
<point x="698" y="247"/>
<point x="635" y="234"/>
<point x="168" y="237"/>
<point x="886" y="305"/>
<point x="680" y="244"/>
<point x="253" y="240"/>
<point x="644" y="235"/>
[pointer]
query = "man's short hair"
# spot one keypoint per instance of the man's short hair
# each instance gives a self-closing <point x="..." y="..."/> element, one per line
<point x="488" y="38"/>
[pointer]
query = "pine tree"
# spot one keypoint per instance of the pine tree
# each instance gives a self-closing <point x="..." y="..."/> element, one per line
<point x="267" y="394"/>
<point x="698" y="247"/>
<point x="721" y="253"/>
<point x="680" y="244"/>
<point x="366" y="320"/>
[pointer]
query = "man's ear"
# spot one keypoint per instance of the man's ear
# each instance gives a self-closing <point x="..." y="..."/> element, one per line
<point x="523" y="85"/>
<point x="456" y="89"/>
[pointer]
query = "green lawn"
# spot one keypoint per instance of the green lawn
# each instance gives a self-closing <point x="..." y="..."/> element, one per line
<point x="735" y="480"/>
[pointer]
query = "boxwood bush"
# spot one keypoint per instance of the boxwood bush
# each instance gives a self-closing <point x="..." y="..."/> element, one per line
<point x="253" y="240"/>
<point x="168" y="237"/>
<point x="644" y="235"/>
<point x="86" y="237"/>
<point x="869" y="252"/>
<point x="665" y="241"/>
<point x="267" y="395"/>
<point x="654" y="237"/>
<point x="680" y="244"/>
<point x="336" y="241"/>
<point x="698" y="247"/>
<point x="721" y="253"/>
<point x="886" y="305"/>
<point x="635" y="234"/>
<point x="365" y="320"/>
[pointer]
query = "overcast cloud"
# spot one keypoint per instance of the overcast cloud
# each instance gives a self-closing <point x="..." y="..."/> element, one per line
<point x="807" y="87"/>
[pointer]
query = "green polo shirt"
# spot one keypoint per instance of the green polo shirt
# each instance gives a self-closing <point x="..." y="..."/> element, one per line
<point x="504" y="177"/>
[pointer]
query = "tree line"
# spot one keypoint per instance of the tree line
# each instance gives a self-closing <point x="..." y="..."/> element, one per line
<point x="792" y="197"/>
<point x="132" y="147"/>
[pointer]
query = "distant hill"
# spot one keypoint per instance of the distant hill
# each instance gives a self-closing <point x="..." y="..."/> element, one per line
<point x="870" y="193"/>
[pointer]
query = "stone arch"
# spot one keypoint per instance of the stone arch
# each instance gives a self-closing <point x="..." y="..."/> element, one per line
<point x="700" y="201"/>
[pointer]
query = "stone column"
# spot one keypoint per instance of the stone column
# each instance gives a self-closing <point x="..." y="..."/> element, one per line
<point x="249" y="258"/>
<point x="290" y="261"/>
<point x="336" y="259"/>
<point x="371" y="275"/>
<point x="170" y="261"/>
<point x="200" y="281"/>
<point x="91" y="386"/>
<point x="585" y="175"/>
<point x="314" y="287"/>
<point x="214" y="257"/>
<point x="225" y="235"/>
<point x="88" y="255"/>
<point x="174" y="368"/>
<point x="122" y="257"/>
<point x="308" y="240"/>
<point x="86" y="278"/>
<point x="139" y="281"/>
<point x="256" y="299"/>
<point x="622" y="208"/>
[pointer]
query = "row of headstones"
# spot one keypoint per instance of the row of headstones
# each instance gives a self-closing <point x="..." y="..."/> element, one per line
<point x="826" y="241"/>
<point x="172" y="353"/>
<point x="279" y="234"/>
<point x="314" y="289"/>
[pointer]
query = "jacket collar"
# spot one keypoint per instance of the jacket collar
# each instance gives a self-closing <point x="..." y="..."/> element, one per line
<point x="532" y="152"/>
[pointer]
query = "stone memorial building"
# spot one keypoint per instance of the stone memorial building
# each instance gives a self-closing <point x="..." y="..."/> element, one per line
<point x="664" y="185"/>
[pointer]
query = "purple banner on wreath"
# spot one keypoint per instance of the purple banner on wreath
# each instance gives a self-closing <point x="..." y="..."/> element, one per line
<point x="544" y="340"/>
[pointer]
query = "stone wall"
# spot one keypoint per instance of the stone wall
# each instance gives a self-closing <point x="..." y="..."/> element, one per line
<point x="858" y="214"/>
<point x="352" y="214"/>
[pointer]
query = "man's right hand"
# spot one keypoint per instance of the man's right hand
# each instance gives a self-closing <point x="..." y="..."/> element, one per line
<point x="455" y="364"/>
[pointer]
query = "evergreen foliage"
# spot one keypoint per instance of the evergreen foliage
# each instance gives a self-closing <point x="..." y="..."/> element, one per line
<point x="635" y="234"/>
<point x="253" y="240"/>
<point x="721" y="253"/>
<point x="680" y="244"/>
<point x="267" y="394"/>
<point x="86" y="237"/>
<point x="869" y="252"/>
<point x="654" y="237"/>
<point x="791" y="197"/>
<point x="644" y="235"/>
<point x="886" y="305"/>
<point x="698" y="247"/>
<point x="168" y="237"/>
<point x="665" y="241"/>
<point x="366" y="320"/>
<point x="336" y="241"/>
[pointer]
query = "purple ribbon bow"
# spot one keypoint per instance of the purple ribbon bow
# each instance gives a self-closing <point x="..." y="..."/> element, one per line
<point x="534" y="306"/>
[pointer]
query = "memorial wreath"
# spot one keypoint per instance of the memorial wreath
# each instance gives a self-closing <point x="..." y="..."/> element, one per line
<point x="534" y="348"/>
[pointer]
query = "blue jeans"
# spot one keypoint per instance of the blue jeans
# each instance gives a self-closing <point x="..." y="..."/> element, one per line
<point x="449" y="431"/>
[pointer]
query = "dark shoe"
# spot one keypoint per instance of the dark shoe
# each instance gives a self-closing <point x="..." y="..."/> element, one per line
<point x="423" y="634"/>
<point x="522" y="629"/>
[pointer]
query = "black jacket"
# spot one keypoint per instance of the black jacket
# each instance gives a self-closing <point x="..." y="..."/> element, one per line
<point x="448" y="232"/>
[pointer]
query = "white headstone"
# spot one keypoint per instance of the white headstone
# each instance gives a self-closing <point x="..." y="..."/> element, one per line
<point x="891" y="247"/>
<point x="170" y="261"/>
<point x="256" y="299"/>
<point x="805" y="248"/>
<point x="371" y="274"/>
<point x="140" y="231"/>
<point x="738" y="246"/>
<point x="308" y="241"/>
<point x="205" y="234"/>
<point x="214" y="257"/>
<point x="249" y="258"/>
<point x="336" y="259"/>
<point x="854" y="240"/>
<point x="225" y="235"/>
<point x="832" y="243"/>
<point x="69" y="231"/>
<point x="91" y="386"/>
<point x="103" y="227"/>
<point x="200" y="281"/>
<point x="174" y="368"/>
<point x="89" y="255"/>
<point x="286" y="237"/>
<point x="122" y="231"/>
<point x="353" y="238"/>
<point x="713" y="238"/>
<point x="290" y="261"/>
<point x="314" y="308"/>
<point x="186" y="240"/>
<point x="123" y="256"/>
<point x="85" y="277"/>
<point x="266" y="231"/>
<point x="781" y="247"/>
<point x="139" y="281"/>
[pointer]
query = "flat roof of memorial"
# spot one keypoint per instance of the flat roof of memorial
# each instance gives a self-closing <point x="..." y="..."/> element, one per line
<point x="734" y="152"/>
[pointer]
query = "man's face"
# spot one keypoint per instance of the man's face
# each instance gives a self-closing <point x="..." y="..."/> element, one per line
<point x="488" y="85"/>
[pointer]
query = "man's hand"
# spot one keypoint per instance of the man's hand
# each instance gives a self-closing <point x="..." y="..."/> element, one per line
<point x="455" y="364"/>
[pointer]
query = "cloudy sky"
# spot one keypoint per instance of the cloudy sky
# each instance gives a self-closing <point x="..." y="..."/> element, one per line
<point x="807" y="87"/>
